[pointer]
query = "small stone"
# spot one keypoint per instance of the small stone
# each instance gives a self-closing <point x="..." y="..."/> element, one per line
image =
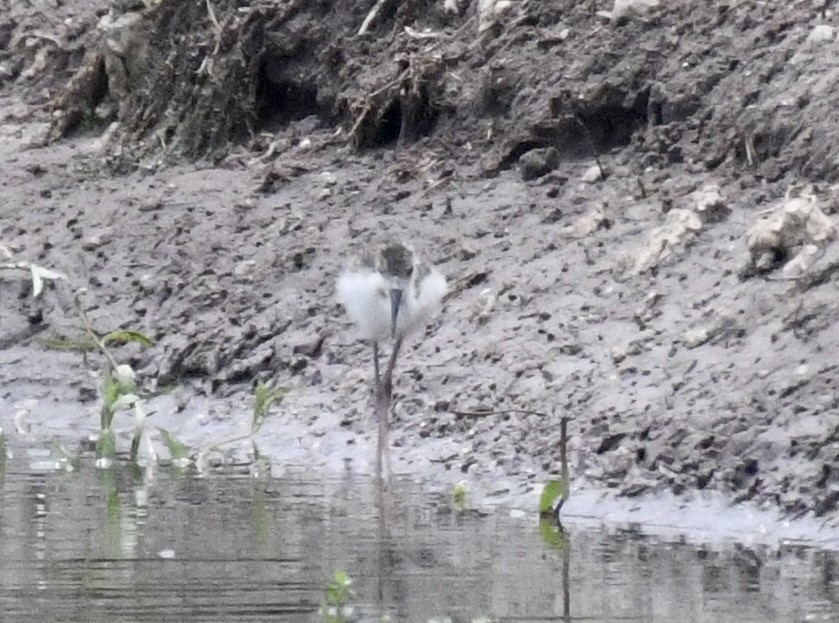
<point x="695" y="337"/>
<point x="591" y="175"/>
<point x="245" y="267"/>
<point x="821" y="34"/>
<point x="538" y="162"/>
<point x="467" y="252"/>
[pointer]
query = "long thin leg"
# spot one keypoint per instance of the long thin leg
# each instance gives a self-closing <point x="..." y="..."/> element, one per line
<point x="381" y="406"/>
<point x="384" y="413"/>
<point x="376" y="365"/>
<point x="381" y="409"/>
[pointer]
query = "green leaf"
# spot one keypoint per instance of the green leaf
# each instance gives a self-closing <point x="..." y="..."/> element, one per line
<point x="110" y="390"/>
<point x="124" y="401"/>
<point x="177" y="450"/>
<point x="460" y="490"/>
<point x="553" y="535"/>
<point x="123" y="337"/>
<point x="338" y="591"/>
<point x="59" y="343"/>
<point x="554" y="489"/>
<point x="135" y="445"/>
<point x="106" y="447"/>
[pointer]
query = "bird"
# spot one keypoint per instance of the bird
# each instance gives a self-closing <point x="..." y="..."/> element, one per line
<point x="389" y="295"/>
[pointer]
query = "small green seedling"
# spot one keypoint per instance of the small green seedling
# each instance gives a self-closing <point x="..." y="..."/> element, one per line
<point x="552" y="534"/>
<point x="338" y="592"/>
<point x="459" y="495"/>
<point x="550" y="502"/>
<point x="264" y="398"/>
<point x="177" y="451"/>
<point x="553" y="494"/>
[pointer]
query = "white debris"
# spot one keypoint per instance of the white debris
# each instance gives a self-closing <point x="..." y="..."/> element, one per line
<point x="797" y="224"/>
<point x="586" y="224"/>
<point x="451" y="7"/>
<point x="821" y="34"/>
<point x="710" y="205"/>
<point x="629" y="8"/>
<point x="680" y="228"/>
<point x="490" y="12"/>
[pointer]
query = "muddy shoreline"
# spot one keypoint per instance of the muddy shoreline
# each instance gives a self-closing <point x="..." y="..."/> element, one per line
<point x="684" y="369"/>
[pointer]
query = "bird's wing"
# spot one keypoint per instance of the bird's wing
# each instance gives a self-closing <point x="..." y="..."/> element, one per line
<point x="432" y="288"/>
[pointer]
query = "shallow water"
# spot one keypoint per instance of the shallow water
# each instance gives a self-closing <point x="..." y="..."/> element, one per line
<point x="103" y="546"/>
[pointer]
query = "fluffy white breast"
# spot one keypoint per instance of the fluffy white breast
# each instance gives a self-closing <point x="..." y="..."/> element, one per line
<point x="365" y="296"/>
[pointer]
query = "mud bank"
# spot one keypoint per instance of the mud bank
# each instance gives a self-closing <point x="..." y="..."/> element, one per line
<point x="589" y="189"/>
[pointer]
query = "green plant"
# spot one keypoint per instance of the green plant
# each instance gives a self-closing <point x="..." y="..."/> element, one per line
<point x="552" y="493"/>
<point x="119" y="390"/>
<point x="552" y="534"/>
<point x="266" y="395"/>
<point x="90" y="119"/>
<point x="459" y="496"/>
<point x="178" y="451"/>
<point x="264" y="398"/>
<point x="338" y="592"/>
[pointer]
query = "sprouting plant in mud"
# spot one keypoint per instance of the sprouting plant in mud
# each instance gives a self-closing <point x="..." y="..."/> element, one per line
<point x="338" y="592"/>
<point x="119" y="389"/>
<point x="459" y="496"/>
<point x="266" y="395"/>
<point x="553" y="495"/>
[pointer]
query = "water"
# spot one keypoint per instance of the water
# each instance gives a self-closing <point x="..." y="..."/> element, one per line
<point x="100" y="546"/>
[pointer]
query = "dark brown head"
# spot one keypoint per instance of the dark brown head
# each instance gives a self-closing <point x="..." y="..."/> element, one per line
<point x="396" y="260"/>
<point x="396" y="263"/>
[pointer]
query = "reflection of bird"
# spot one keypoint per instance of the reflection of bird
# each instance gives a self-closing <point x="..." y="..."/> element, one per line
<point x="389" y="295"/>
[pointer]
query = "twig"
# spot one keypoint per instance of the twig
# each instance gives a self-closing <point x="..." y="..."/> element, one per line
<point x="368" y="101"/>
<point x="563" y="457"/>
<point x="502" y="412"/>
<point x="216" y="26"/>
<point x="464" y="282"/>
<point x="591" y="144"/>
<point x="365" y="25"/>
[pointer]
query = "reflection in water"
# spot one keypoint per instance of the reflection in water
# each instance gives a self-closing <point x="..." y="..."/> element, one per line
<point x="110" y="546"/>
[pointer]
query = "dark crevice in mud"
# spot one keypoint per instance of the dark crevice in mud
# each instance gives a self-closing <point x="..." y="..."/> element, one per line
<point x="401" y="121"/>
<point x="388" y="130"/>
<point x="612" y="124"/>
<point x="282" y="100"/>
<point x="584" y="130"/>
